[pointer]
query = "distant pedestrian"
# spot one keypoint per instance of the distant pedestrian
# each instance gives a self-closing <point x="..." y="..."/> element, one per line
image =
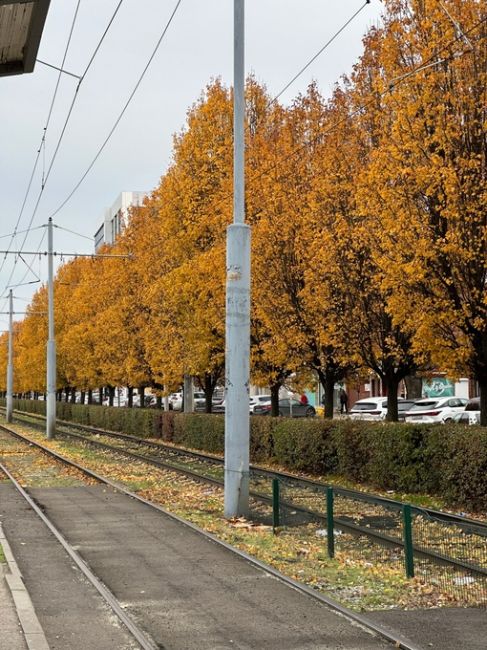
<point x="343" y="401"/>
<point x="303" y="400"/>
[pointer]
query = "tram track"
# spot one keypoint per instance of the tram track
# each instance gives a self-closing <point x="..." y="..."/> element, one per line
<point x="476" y="526"/>
<point x="346" y="525"/>
<point x="145" y="642"/>
<point x="396" y="639"/>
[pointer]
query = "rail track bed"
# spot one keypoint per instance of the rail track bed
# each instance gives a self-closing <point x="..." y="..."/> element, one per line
<point x="182" y="588"/>
<point x="449" y="540"/>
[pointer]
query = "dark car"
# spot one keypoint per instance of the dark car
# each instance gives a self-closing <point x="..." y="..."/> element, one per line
<point x="404" y="405"/>
<point x="288" y="407"/>
<point x="473" y="404"/>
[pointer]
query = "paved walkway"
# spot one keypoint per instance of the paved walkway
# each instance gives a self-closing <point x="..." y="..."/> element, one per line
<point x="11" y="636"/>
<point x="186" y="591"/>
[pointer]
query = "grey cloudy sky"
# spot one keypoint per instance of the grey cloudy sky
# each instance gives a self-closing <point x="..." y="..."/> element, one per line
<point x="281" y="36"/>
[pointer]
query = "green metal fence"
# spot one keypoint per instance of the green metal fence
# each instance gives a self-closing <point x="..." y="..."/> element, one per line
<point x="451" y="556"/>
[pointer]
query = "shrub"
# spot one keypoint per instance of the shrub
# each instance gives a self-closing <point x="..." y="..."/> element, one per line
<point x="199" y="431"/>
<point x="305" y="445"/>
<point x="449" y="461"/>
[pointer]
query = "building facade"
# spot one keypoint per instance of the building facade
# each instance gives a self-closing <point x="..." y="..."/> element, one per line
<point x="116" y="216"/>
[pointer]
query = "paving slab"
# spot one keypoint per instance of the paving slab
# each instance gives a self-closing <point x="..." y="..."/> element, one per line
<point x="186" y="591"/>
<point x="448" y="628"/>
<point x="72" y="614"/>
<point x="11" y="636"/>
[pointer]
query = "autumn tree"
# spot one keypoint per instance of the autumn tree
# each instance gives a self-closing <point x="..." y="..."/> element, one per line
<point x="426" y="183"/>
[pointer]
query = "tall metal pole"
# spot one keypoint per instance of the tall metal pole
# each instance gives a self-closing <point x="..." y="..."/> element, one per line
<point x="10" y="364"/>
<point x="188" y="394"/>
<point x="237" y="351"/>
<point x="51" y="343"/>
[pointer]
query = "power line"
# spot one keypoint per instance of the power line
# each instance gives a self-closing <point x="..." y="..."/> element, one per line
<point x="313" y="58"/>
<point x="27" y="272"/>
<point x="43" y="140"/>
<point x="432" y="60"/>
<point x="42" y="146"/>
<point x="117" y="121"/>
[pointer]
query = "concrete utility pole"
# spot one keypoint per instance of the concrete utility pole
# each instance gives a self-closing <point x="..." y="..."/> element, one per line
<point x="237" y="352"/>
<point x="10" y="364"/>
<point x="188" y="394"/>
<point x="51" y="342"/>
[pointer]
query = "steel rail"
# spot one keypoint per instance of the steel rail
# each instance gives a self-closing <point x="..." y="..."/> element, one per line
<point x="475" y="526"/>
<point x="395" y="638"/>
<point x="139" y="635"/>
<point x="340" y="524"/>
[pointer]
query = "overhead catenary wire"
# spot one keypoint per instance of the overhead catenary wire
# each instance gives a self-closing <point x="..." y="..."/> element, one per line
<point x="22" y="281"/>
<point x="320" y="51"/>
<point x="61" y="136"/>
<point x="433" y="60"/>
<point x="121" y="114"/>
<point x="73" y="232"/>
<point x="43" y="139"/>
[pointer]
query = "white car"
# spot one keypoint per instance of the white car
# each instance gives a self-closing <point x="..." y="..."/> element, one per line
<point x="176" y="401"/>
<point x="435" y="409"/>
<point x="199" y="401"/>
<point x="254" y="400"/>
<point x="370" y="408"/>
<point x="467" y="417"/>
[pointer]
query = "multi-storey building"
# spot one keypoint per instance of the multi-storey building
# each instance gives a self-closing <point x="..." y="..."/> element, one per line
<point x="116" y="216"/>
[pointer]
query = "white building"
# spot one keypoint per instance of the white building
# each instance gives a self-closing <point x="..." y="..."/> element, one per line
<point x="116" y="216"/>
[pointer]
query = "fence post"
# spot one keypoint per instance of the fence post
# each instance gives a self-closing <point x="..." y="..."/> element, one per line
<point x="408" y="540"/>
<point x="330" y="523"/>
<point x="275" y="504"/>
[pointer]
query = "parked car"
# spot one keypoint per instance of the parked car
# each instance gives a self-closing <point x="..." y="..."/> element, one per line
<point x="218" y="407"/>
<point x="403" y="406"/>
<point x="467" y="417"/>
<point x="199" y="402"/>
<point x="370" y="409"/>
<point x="473" y="404"/>
<point x="435" y="409"/>
<point x="254" y="400"/>
<point x="287" y="407"/>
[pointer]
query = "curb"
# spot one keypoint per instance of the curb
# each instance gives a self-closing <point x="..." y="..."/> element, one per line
<point x="33" y="633"/>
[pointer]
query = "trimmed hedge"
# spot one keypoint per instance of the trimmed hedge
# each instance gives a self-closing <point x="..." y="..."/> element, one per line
<point x="138" y="422"/>
<point x="448" y="461"/>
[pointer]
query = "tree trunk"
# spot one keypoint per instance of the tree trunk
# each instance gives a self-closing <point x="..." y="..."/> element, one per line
<point x="111" y="395"/>
<point x="142" y="396"/>
<point x="414" y="386"/>
<point x="391" y="382"/>
<point x="159" y="402"/>
<point x="275" y="388"/>
<point x="73" y="396"/>
<point x="483" y="401"/>
<point x="90" y="396"/>
<point x="329" y="388"/>
<point x="82" y="397"/>
<point x="208" y="386"/>
<point x="208" y="401"/>
<point x="101" y="395"/>
<point x="130" y="396"/>
<point x="66" y="394"/>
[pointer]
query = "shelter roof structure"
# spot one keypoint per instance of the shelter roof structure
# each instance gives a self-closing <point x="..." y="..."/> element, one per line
<point x="21" y="26"/>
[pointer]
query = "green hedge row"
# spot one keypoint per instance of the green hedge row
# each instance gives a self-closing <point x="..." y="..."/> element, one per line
<point x="138" y="422"/>
<point x="449" y="461"/>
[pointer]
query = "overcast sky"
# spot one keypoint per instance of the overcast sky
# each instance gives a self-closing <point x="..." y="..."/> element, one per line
<point x="281" y="36"/>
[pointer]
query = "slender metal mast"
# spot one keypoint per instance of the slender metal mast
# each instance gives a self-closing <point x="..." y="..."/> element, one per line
<point x="10" y="364"/>
<point x="51" y="342"/>
<point x="237" y="354"/>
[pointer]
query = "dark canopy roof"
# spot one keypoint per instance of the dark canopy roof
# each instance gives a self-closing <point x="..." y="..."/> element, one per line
<point x="21" y="25"/>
